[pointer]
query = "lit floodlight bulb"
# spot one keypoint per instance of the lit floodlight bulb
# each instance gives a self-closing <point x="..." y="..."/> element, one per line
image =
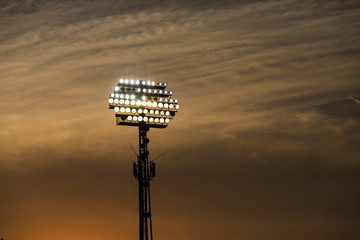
<point x="122" y="101"/>
<point x="165" y="84"/>
<point x="143" y="98"/>
<point x="151" y="111"/>
<point x="140" y="110"/>
<point x="167" y="120"/>
<point x="138" y="89"/>
<point x="143" y="83"/>
<point x="132" y="102"/>
<point x="143" y="103"/>
<point x="151" y="119"/>
<point x="116" y="88"/>
<point x="160" y="91"/>
<point x="111" y="100"/>
<point x="166" y="100"/>
<point x="154" y="104"/>
<point x="161" y="120"/>
<point x="126" y="81"/>
<point x="162" y="113"/>
<point x="165" y="92"/>
<point x="121" y="96"/>
<point x="160" y="105"/>
<point x="116" y="101"/>
<point x="176" y="101"/>
<point x="129" y="118"/>
<point x="144" y="90"/>
<point x="171" y="100"/>
<point x="127" y="110"/>
<point x="152" y="83"/>
<point x="146" y="119"/>
<point x="160" y="83"/>
<point x="121" y="80"/>
<point x="167" y="113"/>
<point x="171" y="92"/>
<point x="145" y="111"/>
<point x="156" y="120"/>
<point x="140" y="118"/>
<point x="122" y="109"/>
<point x="127" y="102"/>
<point x="138" y="102"/>
<point x="149" y="91"/>
<point x="149" y="104"/>
<point x="134" y="118"/>
<point x="116" y="109"/>
<point x="137" y="82"/>
<point x="177" y="106"/>
<point x="156" y="112"/>
<point x="112" y="95"/>
<point x="149" y="83"/>
<point x="133" y="110"/>
<point x="155" y="91"/>
<point x="132" y="96"/>
<point x="166" y="105"/>
<point x="171" y="106"/>
<point x="132" y="81"/>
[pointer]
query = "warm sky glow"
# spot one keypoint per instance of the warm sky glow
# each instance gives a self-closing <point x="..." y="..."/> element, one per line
<point x="265" y="146"/>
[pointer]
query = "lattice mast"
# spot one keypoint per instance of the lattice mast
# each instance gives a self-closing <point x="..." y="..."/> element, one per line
<point x="143" y="104"/>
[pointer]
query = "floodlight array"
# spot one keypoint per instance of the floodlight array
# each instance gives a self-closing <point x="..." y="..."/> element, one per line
<point x="138" y="102"/>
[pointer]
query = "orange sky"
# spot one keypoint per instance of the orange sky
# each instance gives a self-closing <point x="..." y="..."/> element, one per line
<point x="265" y="145"/>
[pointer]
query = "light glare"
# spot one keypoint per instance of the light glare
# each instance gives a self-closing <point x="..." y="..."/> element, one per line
<point x="146" y="101"/>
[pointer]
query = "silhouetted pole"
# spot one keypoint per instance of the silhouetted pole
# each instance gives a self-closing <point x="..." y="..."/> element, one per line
<point x="143" y="104"/>
<point x="144" y="176"/>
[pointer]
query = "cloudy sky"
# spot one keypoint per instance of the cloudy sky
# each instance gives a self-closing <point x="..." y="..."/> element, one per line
<point x="265" y="145"/>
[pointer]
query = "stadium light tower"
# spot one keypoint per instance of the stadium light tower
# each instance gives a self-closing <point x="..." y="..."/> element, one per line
<point x="143" y="104"/>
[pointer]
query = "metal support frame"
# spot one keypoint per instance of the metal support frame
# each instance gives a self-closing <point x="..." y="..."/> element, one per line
<point x="144" y="177"/>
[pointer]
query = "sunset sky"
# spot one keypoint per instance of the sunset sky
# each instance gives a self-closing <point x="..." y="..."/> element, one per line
<point x="266" y="145"/>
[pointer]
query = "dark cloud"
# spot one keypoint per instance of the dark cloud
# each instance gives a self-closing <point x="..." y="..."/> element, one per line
<point x="348" y="108"/>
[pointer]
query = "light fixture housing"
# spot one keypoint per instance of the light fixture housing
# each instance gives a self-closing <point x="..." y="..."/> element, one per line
<point x="149" y="102"/>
